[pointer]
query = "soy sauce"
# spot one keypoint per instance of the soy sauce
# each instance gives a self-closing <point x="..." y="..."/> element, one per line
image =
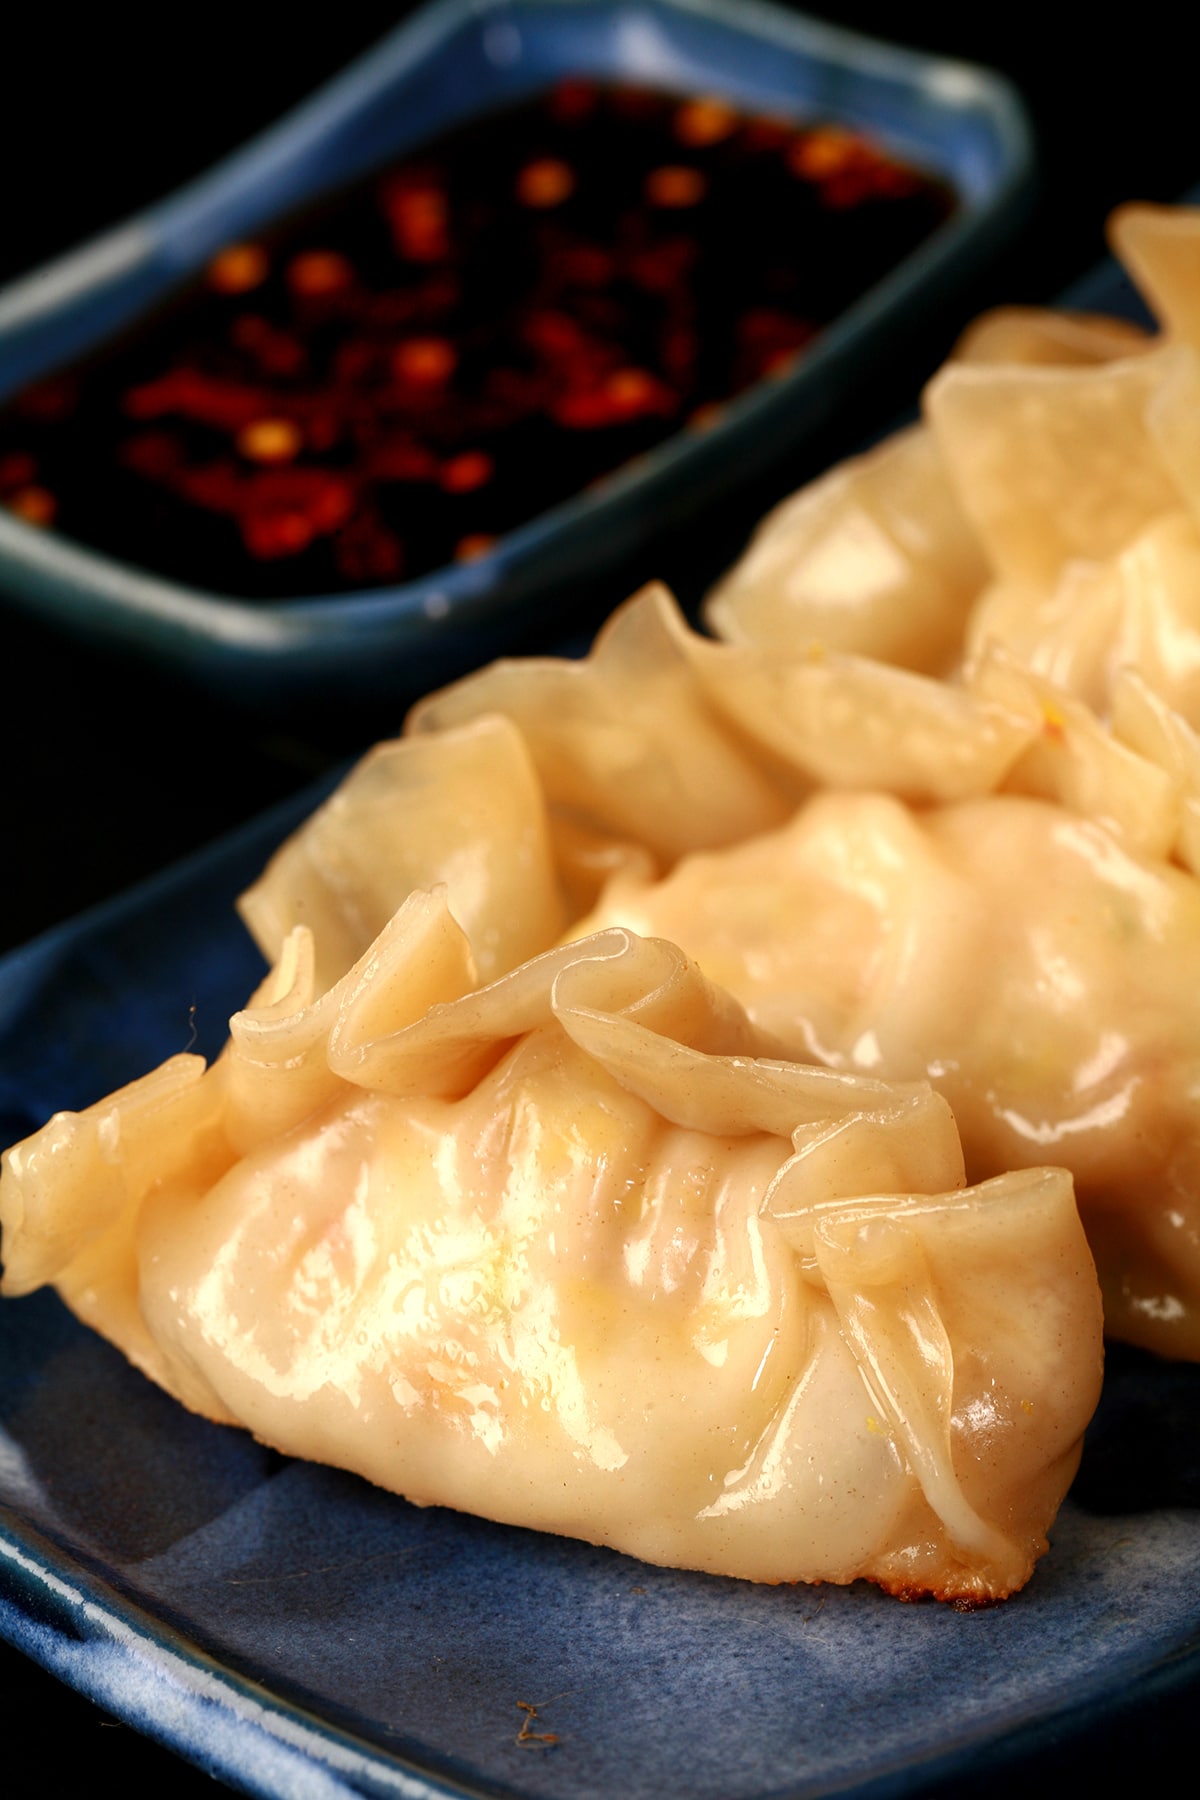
<point x="394" y="380"/>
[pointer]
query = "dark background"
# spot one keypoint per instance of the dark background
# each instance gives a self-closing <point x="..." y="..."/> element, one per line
<point x="106" y="776"/>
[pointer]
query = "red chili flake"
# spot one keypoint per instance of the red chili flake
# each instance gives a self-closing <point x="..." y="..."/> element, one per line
<point x="627" y="394"/>
<point x="554" y="335"/>
<point x="282" y="510"/>
<point x="270" y="440"/>
<point x="17" y="470"/>
<point x="573" y="356"/>
<point x="238" y="268"/>
<point x="318" y="272"/>
<point x="36" y="505"/>
<point x="705" y="121"/>
<point x="818" y="154"/>
<point x="276" y="352"/>
<point x="635" y="391"/>
<point x="463" y="474"/>
<point x="425" y="361"/>
<point x="582" y="409"/>
<point x="675" y="185"/>
<point x="271" y="535"/>
<point x="419" y="219"/>
<point x="545" y="183"/>
<point x="301" y="489"/>
<point x="225" y="405"/>
<point x="330" y="506"/>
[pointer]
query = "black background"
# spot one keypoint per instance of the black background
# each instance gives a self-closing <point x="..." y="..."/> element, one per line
<point x="104" y="110"/>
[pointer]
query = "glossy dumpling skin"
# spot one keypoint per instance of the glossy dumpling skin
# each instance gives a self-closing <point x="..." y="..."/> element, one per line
<point x="1014" y="954"/>
<point x="571" y="1252"/>
<point x="1047" y="501"/>
<point x="876" y="557"/>
<point x="829" y="836"/>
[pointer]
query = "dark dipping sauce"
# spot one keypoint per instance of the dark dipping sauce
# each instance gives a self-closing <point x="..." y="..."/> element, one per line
<point x="393" y="380"/>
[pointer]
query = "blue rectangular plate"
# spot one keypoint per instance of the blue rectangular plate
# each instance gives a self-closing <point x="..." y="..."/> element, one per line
<point x="275" y="1620"/>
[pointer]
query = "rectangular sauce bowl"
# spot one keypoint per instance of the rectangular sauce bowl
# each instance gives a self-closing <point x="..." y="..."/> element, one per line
<point x="449" y="63"/>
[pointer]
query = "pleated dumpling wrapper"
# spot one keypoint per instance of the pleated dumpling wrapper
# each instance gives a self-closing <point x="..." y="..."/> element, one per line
<point x="981" y="885"/>
<point x="569" y="1251"/>
<point x="1049" y="501"/>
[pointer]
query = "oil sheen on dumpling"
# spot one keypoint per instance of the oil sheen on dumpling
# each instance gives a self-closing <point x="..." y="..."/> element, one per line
<point x="570" y="1252"/>
<point x="1015" y="955"/>
<point x="1064" y="1031"/>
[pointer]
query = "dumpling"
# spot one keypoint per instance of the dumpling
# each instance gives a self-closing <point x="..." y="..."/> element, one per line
<point x="658" y="744"/>
<point x="1055" y="463"/>
<point x="749" y="731"/>
<point x="1139" y="610"/>
<point x="466" y="810"/>
<point x="876" y="558"/>
<point x="1160" y="247"/>
<point x="1048" y="502"/>
<point x="1031" y="782"/>
<point x="570" y="1251"/>
<point x="1033" y="336"/>
<point x="1013" y="954"/>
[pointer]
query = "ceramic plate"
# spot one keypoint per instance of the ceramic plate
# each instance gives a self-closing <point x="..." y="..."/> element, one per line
<point x="295" y="1630"/>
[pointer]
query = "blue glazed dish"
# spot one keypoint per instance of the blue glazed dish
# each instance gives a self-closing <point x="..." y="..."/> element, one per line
<point x="292" y="1630"/>
<point x="450" y="62"/>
